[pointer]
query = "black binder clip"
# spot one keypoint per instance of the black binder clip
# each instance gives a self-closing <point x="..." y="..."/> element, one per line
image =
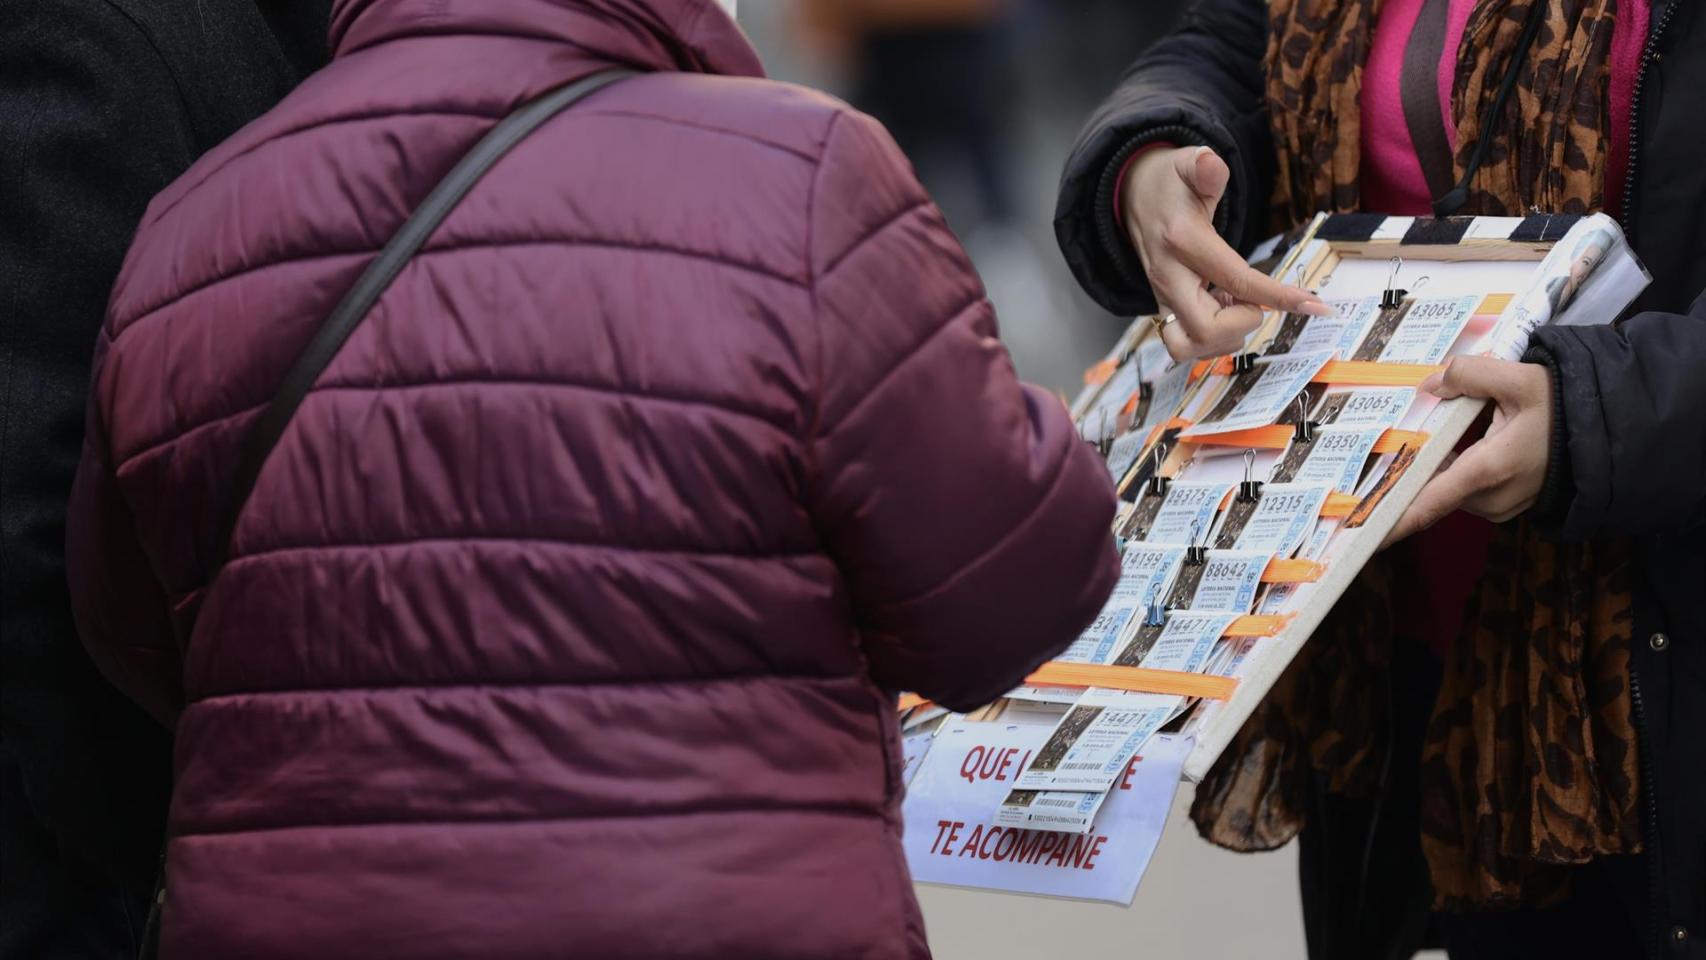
<point x="1393" y="296"/>
<point x="1157" y="482"/>
<point x="1196" y="554"/>
<point x="1104" y="437"/>
<point x="1243" y="363"/>
<point x="1250" y="489"/>
<point x="1155" y="615"/>
<point x="1305" y="432"/>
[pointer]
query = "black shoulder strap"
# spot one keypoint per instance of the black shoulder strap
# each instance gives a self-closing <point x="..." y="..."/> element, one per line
<point x="350" y="311"/>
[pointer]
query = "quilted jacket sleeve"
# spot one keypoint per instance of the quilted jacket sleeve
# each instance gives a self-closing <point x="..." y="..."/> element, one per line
<point x="123" y="613"/>
<point x="970" y="522"/>
<point x="1201" y="85"/>
<point x="1629" y="448"/>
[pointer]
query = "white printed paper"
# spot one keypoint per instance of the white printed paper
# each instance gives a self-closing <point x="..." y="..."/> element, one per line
<point x="1428" y="329"/>
<point x="1146" y="571"/>
<point x="1187" y="512"/>
<point x="1340" y="332"/>
<point x="1187" y="640"/>
<point x="1279" y="382"/>
<point x="1337" y="457"/>
<point x="1103" y="418"/>
<point x="1067" y="812"/>
<point x="950" y="837"/>
<point x="1105" y="634"/>
<point x="1283" y="517"/>
<point x="1229" y="582"/>
<point x="1092" y="744"/>
<point x="1123" y="453"/>
<point x="1045" y="694"/>
<point x="1169" y="391"/>
<point x="1367" y="406"/>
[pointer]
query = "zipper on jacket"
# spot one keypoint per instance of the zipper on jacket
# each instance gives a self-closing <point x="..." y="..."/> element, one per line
<point x="1649" y="819"/>
<point x="1648" y="55"/>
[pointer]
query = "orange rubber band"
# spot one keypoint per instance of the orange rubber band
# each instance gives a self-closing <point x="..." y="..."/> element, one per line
<point x="1293" y="571"/>
<point x="1257" y="626"/>
<point x="1277" y="436"/>
<point x="1355" y="373"/>
<point x="1139" y="679"/>
<point x="1367" y="373"/>
<point x="1339" y="505"/>
<point x="1100" y="373"/>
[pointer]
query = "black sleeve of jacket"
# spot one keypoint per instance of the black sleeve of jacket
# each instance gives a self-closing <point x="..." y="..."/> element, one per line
<point x="1632" y="430"/>
<point x="91" y="126"/>
<point x="1201" y="85"/>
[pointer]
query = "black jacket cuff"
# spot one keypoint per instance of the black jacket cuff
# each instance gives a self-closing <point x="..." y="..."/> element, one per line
<point x="1559" y="488"/>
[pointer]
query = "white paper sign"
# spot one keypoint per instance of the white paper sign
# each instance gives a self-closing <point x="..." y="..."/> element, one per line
<point x="1337" y="457"/>
<point x="951" y="839"/>
<point x="1187" y="640"/>
<point x="1187" y="512"/>
<point x="914" y="747"/>
<point x="1229" y="582"/>
<point x="1092" y="744"/>
<point x="1279" y="382"/>
<point x="1429" y="328"/>
<point x="1283" y="517"/>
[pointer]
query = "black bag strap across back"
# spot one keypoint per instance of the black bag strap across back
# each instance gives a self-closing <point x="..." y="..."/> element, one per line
<point x="372" y="283"/>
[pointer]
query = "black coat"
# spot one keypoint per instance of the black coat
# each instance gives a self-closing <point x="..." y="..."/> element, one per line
<point x="1631" y="433"/>
<point x="102" y="103"/>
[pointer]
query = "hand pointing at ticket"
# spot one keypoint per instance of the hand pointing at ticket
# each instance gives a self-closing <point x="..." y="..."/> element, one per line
<point x="1501" y="475"/>
<point x="1209" y="298"/>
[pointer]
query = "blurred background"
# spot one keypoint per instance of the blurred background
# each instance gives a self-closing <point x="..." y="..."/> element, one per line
<point x="986" y="97"/>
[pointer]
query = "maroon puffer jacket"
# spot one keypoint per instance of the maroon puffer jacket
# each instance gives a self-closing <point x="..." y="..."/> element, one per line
<point x="560" y="621"/>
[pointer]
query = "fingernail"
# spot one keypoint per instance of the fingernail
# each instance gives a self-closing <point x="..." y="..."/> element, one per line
<point x="1315" y="308"/>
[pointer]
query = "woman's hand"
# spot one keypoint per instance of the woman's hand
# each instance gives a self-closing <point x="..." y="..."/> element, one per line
<point x="1499" y="476"/>
<point x="1167" y="202"/>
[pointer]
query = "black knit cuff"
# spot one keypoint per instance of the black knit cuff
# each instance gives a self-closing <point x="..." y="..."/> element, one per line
<point x="1110" y="235"/>
<point x="1559" y="488"/>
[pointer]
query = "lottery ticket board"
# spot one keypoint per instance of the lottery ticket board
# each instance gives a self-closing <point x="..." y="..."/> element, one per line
<point x="1253" y="488"/>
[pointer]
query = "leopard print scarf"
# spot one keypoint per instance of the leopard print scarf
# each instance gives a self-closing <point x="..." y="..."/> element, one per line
<point x="1549" y="146"/>
<point x="1529" y="760"/>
